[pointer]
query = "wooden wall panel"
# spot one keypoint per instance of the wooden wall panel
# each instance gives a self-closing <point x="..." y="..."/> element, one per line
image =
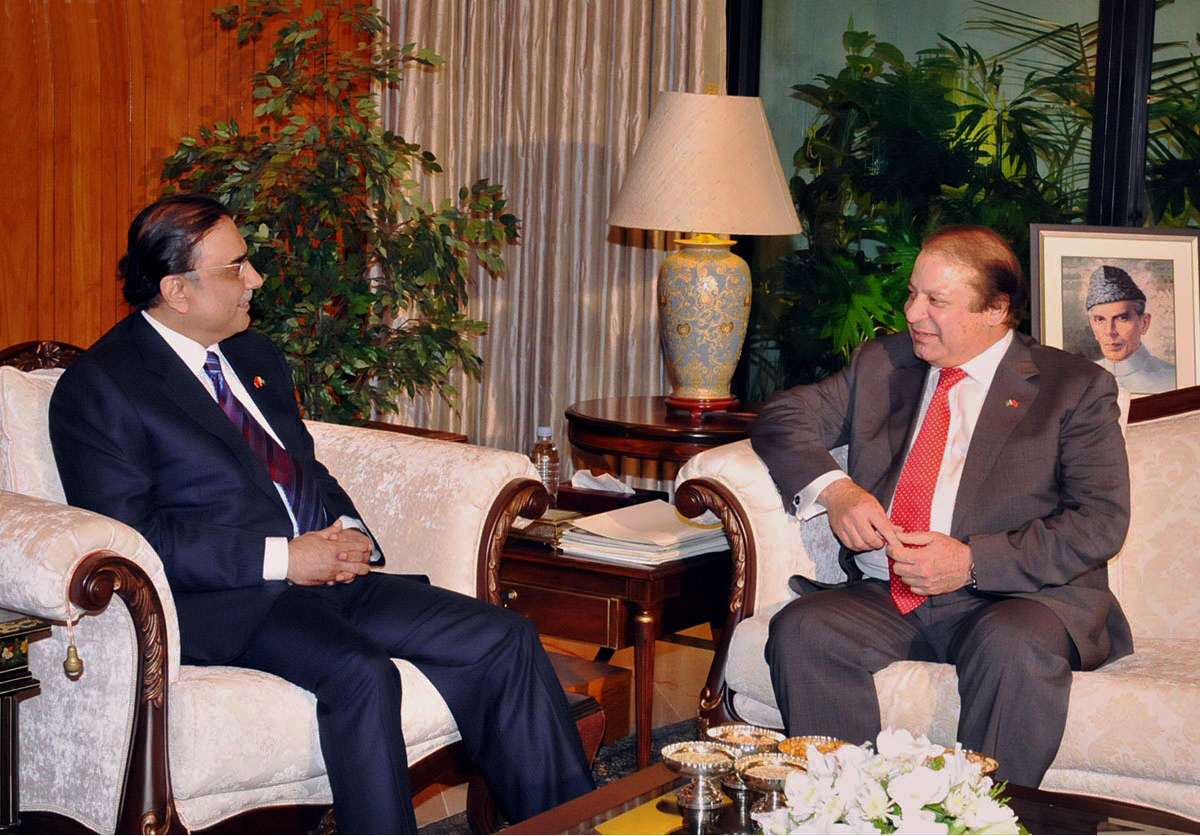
<point x="18" y="117"/>
<point x="97" y="94"/>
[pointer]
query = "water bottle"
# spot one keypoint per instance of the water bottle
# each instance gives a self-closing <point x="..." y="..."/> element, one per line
<point x="545" y="459"/>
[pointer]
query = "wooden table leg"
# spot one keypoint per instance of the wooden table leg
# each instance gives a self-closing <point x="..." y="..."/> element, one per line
<point x="10" y="796"/>
<point x="643" y="683"/>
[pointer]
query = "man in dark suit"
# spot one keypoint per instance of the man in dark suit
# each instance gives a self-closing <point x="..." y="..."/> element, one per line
<point x="184" y="425"/>
<point x="977" y="514"/>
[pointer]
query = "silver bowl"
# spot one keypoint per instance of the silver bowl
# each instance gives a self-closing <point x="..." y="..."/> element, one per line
<point x="704" y="761"/>
<point x="745" y="740"/>
<point x="766" y="772"/>
<point x="798" y="746"/>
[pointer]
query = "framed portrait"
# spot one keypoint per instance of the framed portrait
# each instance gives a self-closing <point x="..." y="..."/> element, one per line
<point x="1123" y="297"/>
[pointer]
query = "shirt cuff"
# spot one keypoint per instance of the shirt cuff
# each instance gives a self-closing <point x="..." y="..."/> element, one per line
<point x="805" y="502"/>
<point x="352" y="522"/>
<point x="275" y="559"/>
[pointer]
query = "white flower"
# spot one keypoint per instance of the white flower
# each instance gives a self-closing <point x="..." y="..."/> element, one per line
<point x="805" y="792"/>
<point x="915" y="789"/>
<point x="920" y="821"/>
<point x="872" y="801"/>
<point x="959" y="799"/>
<point x="987" y="815"/>
<point x="899" y="743"/>
<point x="906" y="788"/>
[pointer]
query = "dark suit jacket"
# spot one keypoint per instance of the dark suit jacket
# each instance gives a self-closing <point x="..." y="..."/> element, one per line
<point x="136" y="437"/>
<point x="1044" y="496"/>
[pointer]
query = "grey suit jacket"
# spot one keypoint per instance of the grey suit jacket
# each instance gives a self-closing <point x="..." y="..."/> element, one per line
<point x="1044" y="496"/>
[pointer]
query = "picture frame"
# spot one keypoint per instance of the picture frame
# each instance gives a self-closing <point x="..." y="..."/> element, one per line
<point x="1164" y="264"/>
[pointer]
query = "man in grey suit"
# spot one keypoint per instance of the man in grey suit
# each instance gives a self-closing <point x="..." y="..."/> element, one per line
<point x="1024" y="498"/>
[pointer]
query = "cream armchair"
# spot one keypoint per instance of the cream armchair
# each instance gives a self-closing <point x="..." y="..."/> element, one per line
<point x="105" y="750"/>
<point x="1132" y="727"/>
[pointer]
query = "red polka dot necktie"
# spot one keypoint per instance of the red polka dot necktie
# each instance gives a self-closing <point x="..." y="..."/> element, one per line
<point x="298" y="485"/>
<point x="914" y="491"/>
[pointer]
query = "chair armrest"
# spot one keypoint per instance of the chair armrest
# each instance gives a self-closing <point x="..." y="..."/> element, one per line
<point x="781" y="544"/>
<point x="768" y="545"/>
<point x="437" y="508"/>
<point x="130" y="653"/>
<point x="43" y="545"/>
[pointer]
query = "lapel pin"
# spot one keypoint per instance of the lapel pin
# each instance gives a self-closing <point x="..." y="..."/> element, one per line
<point x="258" y="384"/>
<point x="1010" y="402"/>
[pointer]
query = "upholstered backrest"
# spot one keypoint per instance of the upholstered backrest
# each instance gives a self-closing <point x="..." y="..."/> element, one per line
<point x="1156" y="575"/>
<point x="43" y="542"/>
<point x="444" y="490"/>
<point x="26" y="460"/>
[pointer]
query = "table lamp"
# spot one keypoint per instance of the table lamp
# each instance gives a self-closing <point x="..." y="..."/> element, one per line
<point x="706" y="165"/>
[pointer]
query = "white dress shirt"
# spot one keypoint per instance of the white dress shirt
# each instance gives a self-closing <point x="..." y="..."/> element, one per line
<point x="966" y="402"/>
<point x="194" y="355"/>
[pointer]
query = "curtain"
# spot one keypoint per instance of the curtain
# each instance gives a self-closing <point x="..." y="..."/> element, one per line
<point x="549" y="97"/>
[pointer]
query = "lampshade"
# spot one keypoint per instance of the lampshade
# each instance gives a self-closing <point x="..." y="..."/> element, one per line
<point x="706" y="163"/>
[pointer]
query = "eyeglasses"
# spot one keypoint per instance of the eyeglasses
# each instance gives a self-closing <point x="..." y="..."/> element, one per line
<point x="239" y="265"/>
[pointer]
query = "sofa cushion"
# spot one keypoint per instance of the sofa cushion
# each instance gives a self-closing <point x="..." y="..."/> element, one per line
<point x="26" y="460"/>
<point x="276" y="744"/>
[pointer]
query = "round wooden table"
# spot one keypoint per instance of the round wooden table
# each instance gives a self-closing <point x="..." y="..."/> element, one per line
<point x="605" y="430"/>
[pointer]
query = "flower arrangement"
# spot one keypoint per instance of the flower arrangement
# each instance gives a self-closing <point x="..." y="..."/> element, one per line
<point x="908" y="786"/>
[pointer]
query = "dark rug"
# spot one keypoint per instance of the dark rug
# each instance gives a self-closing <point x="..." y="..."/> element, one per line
<point x="616" y="760"/>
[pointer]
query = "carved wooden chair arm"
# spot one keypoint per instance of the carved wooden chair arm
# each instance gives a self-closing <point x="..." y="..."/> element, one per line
<point x="693" y="497"/>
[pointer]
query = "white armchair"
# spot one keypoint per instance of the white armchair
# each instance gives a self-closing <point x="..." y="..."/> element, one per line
<point x="104" y="750"/>
<point x="1131" y="728"/>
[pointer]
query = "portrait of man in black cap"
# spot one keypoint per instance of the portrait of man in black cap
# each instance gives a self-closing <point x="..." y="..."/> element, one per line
<point x="1116" y="310"/>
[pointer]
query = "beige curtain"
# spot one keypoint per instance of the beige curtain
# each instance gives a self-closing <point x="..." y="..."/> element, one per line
<point x="549" y="98"/>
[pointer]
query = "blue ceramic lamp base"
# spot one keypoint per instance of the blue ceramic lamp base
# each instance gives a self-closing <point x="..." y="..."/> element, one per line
<point x="704" y="307"/>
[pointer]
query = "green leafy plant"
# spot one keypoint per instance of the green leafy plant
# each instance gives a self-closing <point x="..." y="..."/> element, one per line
<point x="900" y="147"/>
<point x="1047" y="50"/>
<point x="366" y="282"/>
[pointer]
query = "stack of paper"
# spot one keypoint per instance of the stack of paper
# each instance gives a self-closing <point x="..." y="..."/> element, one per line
<point x="645" y="534"/>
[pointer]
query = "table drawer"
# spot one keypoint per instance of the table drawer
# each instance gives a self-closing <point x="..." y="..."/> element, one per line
<point x="568" y="615"/>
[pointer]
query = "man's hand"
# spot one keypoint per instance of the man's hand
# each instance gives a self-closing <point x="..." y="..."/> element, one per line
<point x="331" y="555"/>
<point x="937" y="564"/>
<point x="856" y="517"/>
<point x="355" y="543"/>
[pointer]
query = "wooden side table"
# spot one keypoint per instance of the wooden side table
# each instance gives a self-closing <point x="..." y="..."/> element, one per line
<point x="16" y="630"/>
<point x="614" y="605"/>
<point x="605" y="430"/>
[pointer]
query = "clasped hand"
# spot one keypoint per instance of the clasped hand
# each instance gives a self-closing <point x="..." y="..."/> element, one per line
<point x="331" y="555"/>
<point x="931" y="563"/>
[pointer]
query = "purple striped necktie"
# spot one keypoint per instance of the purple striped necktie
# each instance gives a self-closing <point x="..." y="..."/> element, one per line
<point x="297" y="483"/>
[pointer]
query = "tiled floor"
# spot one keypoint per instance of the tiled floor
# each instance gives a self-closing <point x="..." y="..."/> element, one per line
<point x="679" y="672"/>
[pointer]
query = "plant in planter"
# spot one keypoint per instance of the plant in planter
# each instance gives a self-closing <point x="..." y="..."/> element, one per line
<point x="366" y="283"/>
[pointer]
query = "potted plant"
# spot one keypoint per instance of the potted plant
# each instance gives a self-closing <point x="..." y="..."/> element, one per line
<point x="366" y="282"/>
<point x="899" y="147"/>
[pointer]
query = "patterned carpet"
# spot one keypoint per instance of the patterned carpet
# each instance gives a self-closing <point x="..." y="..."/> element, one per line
<point x="616" y="760"/>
